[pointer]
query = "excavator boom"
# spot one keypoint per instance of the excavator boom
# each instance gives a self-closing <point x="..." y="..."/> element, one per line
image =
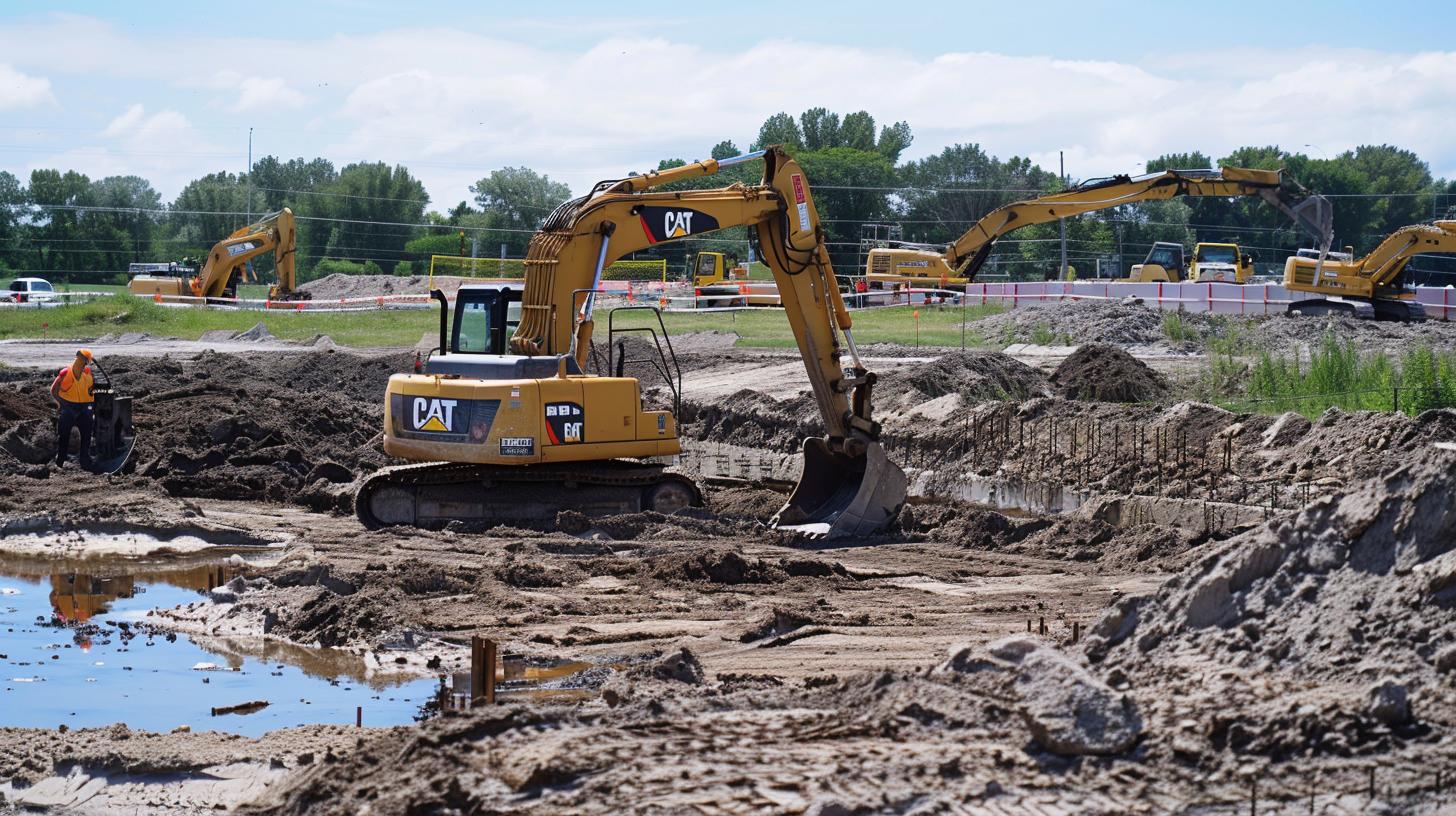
<point x="963" y="258"/>
<point x="228" y="259"/>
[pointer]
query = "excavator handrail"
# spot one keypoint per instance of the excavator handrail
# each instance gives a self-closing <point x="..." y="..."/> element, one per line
<point x="673" y="380"/>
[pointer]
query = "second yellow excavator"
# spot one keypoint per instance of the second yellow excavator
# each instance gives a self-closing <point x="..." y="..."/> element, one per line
<point x="227" y="261"/>
<point x="958" y="262"/>
<point x="503" y="433"/>
<point x="1368" y="287"/>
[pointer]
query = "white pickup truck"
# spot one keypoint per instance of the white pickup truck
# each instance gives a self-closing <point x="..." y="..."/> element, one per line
<point x="36" y="291"/>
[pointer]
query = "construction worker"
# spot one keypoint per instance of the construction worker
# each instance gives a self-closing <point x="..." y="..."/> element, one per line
<point x="72" y="391"/>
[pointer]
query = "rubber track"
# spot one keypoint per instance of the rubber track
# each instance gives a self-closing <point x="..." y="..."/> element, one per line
<point x="618" y="473"/>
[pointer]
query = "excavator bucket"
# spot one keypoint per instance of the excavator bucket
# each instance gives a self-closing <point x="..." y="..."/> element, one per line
<point x="840" y="495"/>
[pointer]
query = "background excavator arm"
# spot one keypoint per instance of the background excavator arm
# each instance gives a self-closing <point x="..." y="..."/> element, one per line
<point x="276" y="232"/>
<point x="1311" y="213"/>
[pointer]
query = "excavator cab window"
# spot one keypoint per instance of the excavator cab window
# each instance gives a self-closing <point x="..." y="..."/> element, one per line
<point x="1218" y="254"/>
<point x="485" y="317"/>
<point x="1166" y="257"/>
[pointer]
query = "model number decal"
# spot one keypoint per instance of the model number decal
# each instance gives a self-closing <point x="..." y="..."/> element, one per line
<point x="518" y="446"/>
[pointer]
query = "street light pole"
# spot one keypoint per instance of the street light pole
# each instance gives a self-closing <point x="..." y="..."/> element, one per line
<point x="1062" y="222"/>
<point x="250" y="176"/>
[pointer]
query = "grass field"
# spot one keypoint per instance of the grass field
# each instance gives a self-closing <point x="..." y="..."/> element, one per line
<point x="124" y="313"/>
<point x="762" y="328"/>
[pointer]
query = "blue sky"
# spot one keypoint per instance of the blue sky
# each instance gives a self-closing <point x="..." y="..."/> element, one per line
<point x="583" y="91"/>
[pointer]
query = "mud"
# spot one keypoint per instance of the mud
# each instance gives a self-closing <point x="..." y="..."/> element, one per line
<point x="1101" y="373"/>
<point x="736" y="669"/>
<point x="292" y="428"/>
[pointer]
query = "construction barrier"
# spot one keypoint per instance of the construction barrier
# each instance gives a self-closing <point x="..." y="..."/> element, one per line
<point x="1214" y="298"/>
<point x="515" y="269"/>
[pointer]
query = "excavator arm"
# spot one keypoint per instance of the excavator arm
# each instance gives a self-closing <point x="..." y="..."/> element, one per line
<point x="964" y="257"/>
<point x="276" y="232"/>
<point x="848" y="482"/>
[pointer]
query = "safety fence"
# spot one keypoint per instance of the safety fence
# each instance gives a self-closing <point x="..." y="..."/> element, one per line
<point x="1214" y="298"/>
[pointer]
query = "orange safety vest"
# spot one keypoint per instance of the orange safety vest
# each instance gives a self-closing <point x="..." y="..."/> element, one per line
<point x="74" y="389"/>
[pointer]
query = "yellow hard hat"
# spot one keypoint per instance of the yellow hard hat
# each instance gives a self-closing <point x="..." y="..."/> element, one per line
<point x="85" y="353"/>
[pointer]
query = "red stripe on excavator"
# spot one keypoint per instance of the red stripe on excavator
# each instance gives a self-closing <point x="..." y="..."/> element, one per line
<point x="551" y="435"/>
<point x="645" y="229"/>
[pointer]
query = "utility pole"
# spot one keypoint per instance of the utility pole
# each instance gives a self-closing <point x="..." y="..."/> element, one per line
<point x="250" y="176"/>
<point x="1062" y="222"/>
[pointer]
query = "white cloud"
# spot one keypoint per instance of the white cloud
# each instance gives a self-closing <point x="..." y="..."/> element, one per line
<point x="257" y="93"/>
<point x="453" y="105"/>
<point x="19" y="91"/>
<point x="162" y="147"/>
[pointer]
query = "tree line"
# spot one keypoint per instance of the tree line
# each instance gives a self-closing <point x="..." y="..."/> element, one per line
<point x="376" y="218"/>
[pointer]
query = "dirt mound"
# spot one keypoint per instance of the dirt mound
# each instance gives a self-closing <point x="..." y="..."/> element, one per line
<point x="1283" y="332"/>
<point x="1088" y="321"/>
<point x="1103" y="373"/>
<point x="751" y="419"/>
<point x="294" y="427"/>
<point x="339" y="285"/>
<point x="1356" y="590"/>
<point x="977" y="376"/>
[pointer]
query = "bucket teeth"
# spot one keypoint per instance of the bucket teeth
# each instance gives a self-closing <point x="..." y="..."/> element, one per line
<point x="841" y="495"/>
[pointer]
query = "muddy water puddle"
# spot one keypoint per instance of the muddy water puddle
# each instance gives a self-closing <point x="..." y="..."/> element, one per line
<point x="76" y="649"/>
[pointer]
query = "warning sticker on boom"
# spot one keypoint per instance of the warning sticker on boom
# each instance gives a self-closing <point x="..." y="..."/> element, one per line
<point x="802" y="200"/>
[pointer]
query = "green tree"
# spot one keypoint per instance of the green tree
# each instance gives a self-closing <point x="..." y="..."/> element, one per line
<point x="13" y="219"/>
<point x="725" y="150"/>
<point x="893" y="141"/>
<point x="130" y="229"/>
<point x="289" y="184"/>
<point x="208" y="210"/>
<point x="820" y="129"/>
<point x="514" y="201"/>
<point x="779" y="129"/>
<point x="372" y="209"/>
<point x="63" y="242"/>
<point x="858" y="131"/>
<point x="850" y="188"/>
<point x="1398" y="174"/>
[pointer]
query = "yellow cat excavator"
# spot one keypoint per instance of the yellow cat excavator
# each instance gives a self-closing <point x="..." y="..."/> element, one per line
<point x="504" y="431"/>
<point x="958" y="262"/>
<point x="1368" y="287"/>
<point x="226" y="263"/>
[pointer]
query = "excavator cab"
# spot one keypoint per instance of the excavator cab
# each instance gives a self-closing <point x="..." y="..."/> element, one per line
<point x="1164" y="264"/>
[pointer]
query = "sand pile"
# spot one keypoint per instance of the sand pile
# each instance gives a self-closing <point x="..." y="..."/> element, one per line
<point x="1102" y="373"/>
<point x="1356" y="591"/>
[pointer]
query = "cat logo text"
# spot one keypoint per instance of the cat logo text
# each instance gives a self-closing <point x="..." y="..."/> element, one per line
<point x="432" y="414"/>
<point x="668" y="223"/>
